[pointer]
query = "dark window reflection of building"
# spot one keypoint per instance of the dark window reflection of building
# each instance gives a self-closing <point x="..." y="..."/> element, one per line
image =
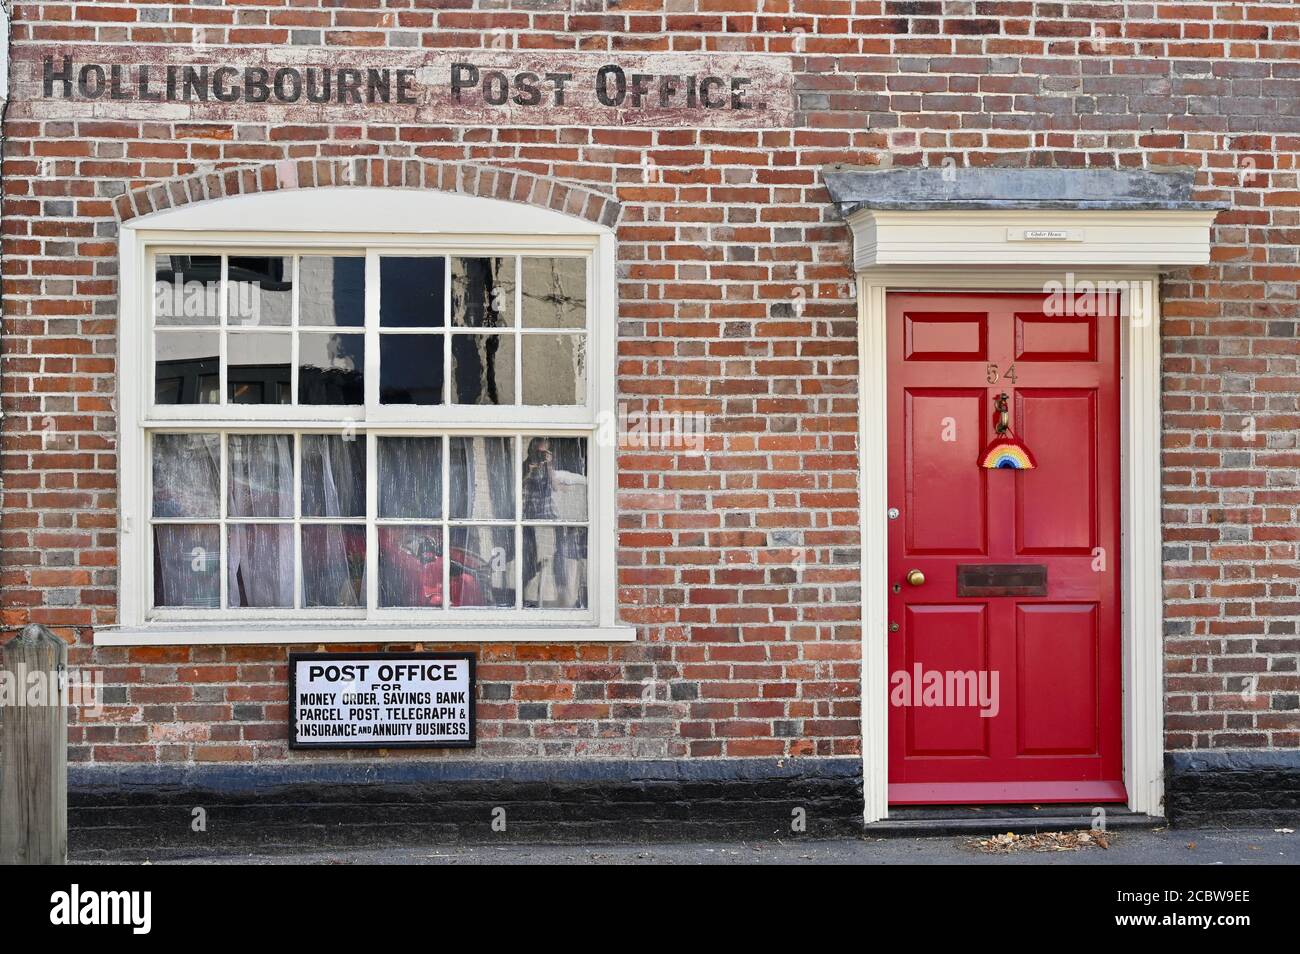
<point x="331" y="369"/>
<point x="258" y="384"/>
<point x="349" y="286"/>
<point x="483" y="369"/>
<point x="410" y="369"/>
<point x="188" y="268"/>
<point x="273" y="274"/>
<point x="187" y="381"/>
<point x="483" y="365"/>
<point x="411" y="291"/>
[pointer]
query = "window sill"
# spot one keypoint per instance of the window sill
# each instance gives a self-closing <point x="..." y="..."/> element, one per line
<point x="271" y="634"/>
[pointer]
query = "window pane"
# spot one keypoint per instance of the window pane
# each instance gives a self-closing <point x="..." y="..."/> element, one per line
<point x="483" y="566"/>
<point x="410" y="566"/>
<point x="331" y="369"/>
<point x="410" y="477"/>
<point x="483" y="369"/>
<point x="555" y="567"/>
<point x="261" y="475"/>
<point x="260" y="564"/>
<point x="410" y="369"/>
<point x="187" y="566"/>
<point x="187" y="367"/>
<point x="333" y="565"/>
<point x="483" y="292"/>
<point x="331" y="291"/>
<point x="555" y="369"/>
<point x="333" y="476"/>
<point x="555" y="292"/>
<point x="259" y="291"/>
<point x="187" y="290"/>
<point x="555" y="478"/>
<point x="411" y="292"/>
<point x="258" y="368"/>
<point x="187" y="475"/>
<point x="482" y="487"/>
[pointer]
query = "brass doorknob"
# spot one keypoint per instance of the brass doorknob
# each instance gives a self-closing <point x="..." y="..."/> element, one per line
<point x="915" y="577"/>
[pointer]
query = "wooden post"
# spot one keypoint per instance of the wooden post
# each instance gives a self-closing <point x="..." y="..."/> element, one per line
<point x="34" y="749"/>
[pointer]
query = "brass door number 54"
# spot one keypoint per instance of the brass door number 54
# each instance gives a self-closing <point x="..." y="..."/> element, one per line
<point x="992" y="376"/>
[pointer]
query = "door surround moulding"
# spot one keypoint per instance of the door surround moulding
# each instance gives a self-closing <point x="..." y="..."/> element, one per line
<point x="1140" y="585"/>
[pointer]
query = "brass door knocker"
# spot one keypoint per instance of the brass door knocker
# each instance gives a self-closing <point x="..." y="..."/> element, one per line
<point x="1003" y="423"/>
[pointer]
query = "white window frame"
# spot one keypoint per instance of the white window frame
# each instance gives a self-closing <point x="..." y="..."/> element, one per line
<point x="376" y="221"/>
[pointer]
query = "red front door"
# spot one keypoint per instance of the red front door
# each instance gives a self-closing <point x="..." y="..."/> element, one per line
<point x="1005" y="688"/>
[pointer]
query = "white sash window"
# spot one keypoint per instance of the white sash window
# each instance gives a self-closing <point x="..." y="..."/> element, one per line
<point x="396" y="429"/>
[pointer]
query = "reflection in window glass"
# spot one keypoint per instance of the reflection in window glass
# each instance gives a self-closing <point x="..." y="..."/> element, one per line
<point x="410" y="369"/>
<point x="482" y="484"/>
<point x="187" y="565"/>
<point x="333" y="565"/>
<point x="331" y="369"/>
<point x="483" y="566"/>
<point x="187" y="475"/>
<point x="187" y="290"/>
<point x="555" y="369"/>
<point x="331" y="291"/>
<point x="483" y="292"/>
<point x="187" y="367"/>
<point x="554" y="477"/>
<point x="259" y="368"/>
<point x="410" y="477"/>
<point x="259" y="291"/>
<point x="555" y="567"/>
<point x="411" y="292"/>
<point x="260" y="564"/>
<point x="498" y="518"/>
<point x="410" y="565"/>
<point x="483" y="369"/>
<point x="333" y="476"/>
<point x="555" y="292"/>
<point x="260" y="475"/>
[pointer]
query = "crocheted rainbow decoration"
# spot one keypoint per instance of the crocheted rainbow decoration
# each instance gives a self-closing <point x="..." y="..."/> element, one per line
<point x="1007" y="453"/>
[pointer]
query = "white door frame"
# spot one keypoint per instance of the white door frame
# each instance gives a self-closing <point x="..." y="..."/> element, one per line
<point x="1140" y="584"/>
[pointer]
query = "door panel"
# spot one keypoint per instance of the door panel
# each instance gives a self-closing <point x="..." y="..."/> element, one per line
<point x="1056" y="503"/>
<point x="1053" y="657"/>
<point x="945" y="336"/>
<point x="1042" y="337"/>
<point x="944" y="494"/>
<point x="1056" y="672"/>
<point x="951" y="638"/>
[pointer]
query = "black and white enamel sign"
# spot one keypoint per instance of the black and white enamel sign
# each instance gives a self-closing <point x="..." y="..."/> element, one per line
<point x="381" y="700"/>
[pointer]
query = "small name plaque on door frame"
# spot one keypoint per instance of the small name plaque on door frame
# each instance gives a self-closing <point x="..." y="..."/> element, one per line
<point x="1001" y="579"/>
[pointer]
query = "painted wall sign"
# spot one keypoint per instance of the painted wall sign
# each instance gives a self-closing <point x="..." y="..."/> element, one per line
<point x="381" y="700"/>
<point x="527" y="87"/>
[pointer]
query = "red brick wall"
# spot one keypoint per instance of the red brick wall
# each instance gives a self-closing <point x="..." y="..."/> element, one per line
<point x="739" y="566"/>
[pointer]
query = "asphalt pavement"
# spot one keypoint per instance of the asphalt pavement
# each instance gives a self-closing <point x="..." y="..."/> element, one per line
<point x="1133" y="847"/>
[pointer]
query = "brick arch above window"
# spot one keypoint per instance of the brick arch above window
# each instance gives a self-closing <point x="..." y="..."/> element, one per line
<point x="469" y="179"/>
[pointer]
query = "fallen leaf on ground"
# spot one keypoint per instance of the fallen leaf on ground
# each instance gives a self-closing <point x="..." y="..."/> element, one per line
<point x="1042" y="841"/>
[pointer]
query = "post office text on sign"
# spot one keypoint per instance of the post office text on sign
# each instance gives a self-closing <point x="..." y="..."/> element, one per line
<point x="614" y="86"/>
<point x="381" y="700"/>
